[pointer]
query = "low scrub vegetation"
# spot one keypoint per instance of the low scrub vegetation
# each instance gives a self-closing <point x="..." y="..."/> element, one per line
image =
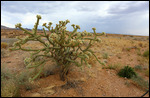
<point x="4" y="45"/>
<point x="116" y="66"/>
<point x="146" y="53"/>
<point x="9" y="84"/>
<point x="140" y="82"/>
<point x="127" y="72"/>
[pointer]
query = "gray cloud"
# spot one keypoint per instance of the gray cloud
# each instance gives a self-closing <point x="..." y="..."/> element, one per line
<point x="118" y="17"/>
<point x="42" y="7"/>
<point x="129" y="7"/>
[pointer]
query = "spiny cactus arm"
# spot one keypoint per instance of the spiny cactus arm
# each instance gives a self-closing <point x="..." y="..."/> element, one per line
<point x="36" y="37"/>
<point x="19" y="47"/>
<point x="36" y="24"/>
<point x="73" y="25"/>
<point x="50" y="24"/>
<point x="34" y="53"/>
<point x="48" y="27"/>
<point x="43" y="42"/>
<point x="30" y="49"/>
<point x="87" y="64"/>
<point x="94" y="29"/>
<point x="44" y="32"/>
<point x="67" y="45"/>
<point x="103" y="33"/>
<point x="57" y="41"/>
<point x="88" y="38"/>
<point x="49" y="56"/>
<point x="36" y="76"/>
<point x="75" y="30"/>
<point x="89" y="45"/>
<point x="81" y="56"/>
<point x="96" y="57"/>
<point x="13" y="49"/>
<point x="76" y="63"/>
<point x="25" y="31"/>
<point x="47" y="37"/>
<point x="79" y="36"/>
<point x="62" y="38"/>
<point x="35" y="65"/>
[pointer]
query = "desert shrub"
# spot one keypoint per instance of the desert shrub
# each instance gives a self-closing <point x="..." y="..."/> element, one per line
<point x="11" y="42"/>
<point x="23" y="79"/>
<point x="105" y="56"/>
<point x="10" y="89"/>
<point x="138" y="52"/>
<point x="140" y="44"/>
<point x="127" y="72"/>
<point x="146" y="72"/>
<point x="140" y="82"/>
<point x="9" y="84"/>
<point x="4" y="45"/>
<point x="63" y="46"/>
<point x="3" y="53"/>
<point x="146" y="53"/>
<point x="128" y="49"/>
<point x="138" y="67"/>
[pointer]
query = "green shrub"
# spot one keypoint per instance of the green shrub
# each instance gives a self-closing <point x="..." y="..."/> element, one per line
<point x="127" y="72"/>
<point x="146" y="53"/>
<point x="63" y="46"/>
<point x="4" y="45"/>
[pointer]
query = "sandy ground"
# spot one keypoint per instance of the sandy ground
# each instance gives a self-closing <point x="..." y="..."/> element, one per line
<point x="89" y="82"/>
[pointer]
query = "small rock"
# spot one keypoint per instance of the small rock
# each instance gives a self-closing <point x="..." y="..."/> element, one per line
<point x="35" y="95"/>
<point x="105" y="61"/>
<point x="110" y="54"/>
<point x="50" y="92"/>
<point x="50" y="87"/>
<point x="81" y="80"/>
<point x="108" y="72"/>
<point x="116" y="89"/>
<point x="103" y="94"/>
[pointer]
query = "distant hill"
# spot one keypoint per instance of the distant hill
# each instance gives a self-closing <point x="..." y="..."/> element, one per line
<point x="4" y="27"/>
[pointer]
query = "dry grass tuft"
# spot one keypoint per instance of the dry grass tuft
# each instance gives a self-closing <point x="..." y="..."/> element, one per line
<point x="9" y="84"/>
<point x="4" y="45"/>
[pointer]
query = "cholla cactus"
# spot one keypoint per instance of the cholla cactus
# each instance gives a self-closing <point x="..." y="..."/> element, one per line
<point x="62" y="46"/>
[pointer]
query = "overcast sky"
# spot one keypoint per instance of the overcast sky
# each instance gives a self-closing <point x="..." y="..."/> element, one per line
<point x="121" y="17"/>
